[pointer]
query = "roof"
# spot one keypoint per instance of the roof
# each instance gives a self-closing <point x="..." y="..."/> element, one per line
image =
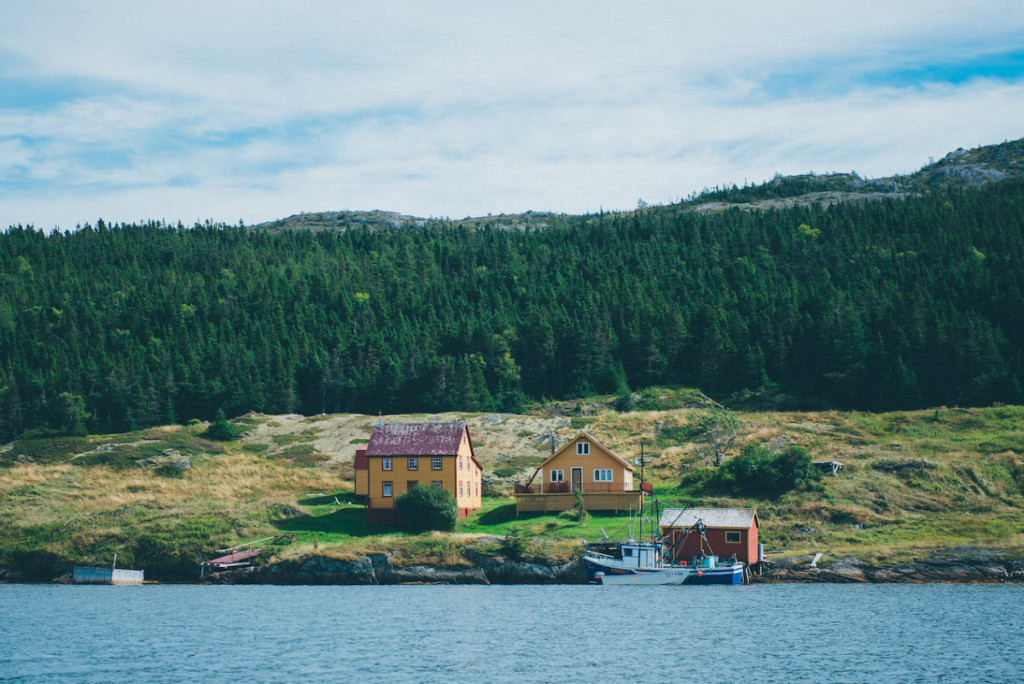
<point x="416" y="439"/>
<point x="360" y="462"/>
<point x="590" y="437"/>
<point x="712" y="517"/>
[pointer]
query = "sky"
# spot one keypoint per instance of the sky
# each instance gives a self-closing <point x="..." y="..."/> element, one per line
<point x="253" y="111"/>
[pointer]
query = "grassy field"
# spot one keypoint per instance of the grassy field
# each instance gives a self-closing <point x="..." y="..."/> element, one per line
<point x="164" y="499"/>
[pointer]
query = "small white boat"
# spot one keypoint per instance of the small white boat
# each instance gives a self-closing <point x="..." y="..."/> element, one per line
<point x="633" y="562"/>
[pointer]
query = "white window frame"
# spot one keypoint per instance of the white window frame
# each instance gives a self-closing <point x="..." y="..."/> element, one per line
<point x="414" y="463"/>
<point x="603" y="475"/>
<point x="385" y="464"/>
<point x="387" y="488"/>
<point x="583" y="448"/>
<point x="436" y="463"/>
<point x="557" y="475"/>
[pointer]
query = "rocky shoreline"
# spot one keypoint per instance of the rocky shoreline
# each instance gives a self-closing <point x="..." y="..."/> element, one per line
<point x="378" y="569"/>
<point x="966" y="565"/>
<point x="961" y="565"/>
<point x="948" y="565"/>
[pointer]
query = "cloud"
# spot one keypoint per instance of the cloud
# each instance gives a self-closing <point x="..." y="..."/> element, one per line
<point x="256" y="110"/>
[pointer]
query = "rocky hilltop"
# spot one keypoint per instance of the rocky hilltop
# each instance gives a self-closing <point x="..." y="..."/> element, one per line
<point x="958" y="169"/>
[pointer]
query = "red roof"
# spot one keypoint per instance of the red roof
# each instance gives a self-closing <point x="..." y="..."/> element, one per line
<point x="361" y="462"/>
<point x="416" y="439"/>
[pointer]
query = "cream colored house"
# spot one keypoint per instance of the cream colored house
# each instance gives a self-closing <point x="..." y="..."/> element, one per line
<point x="583" y="465"/>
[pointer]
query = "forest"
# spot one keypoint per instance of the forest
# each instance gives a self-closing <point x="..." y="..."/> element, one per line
<point x="876" y="305"/>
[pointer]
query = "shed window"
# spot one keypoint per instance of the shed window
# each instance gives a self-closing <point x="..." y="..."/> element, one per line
<point x="386" y="488"/>
<point x="558" y="476"/>
<point x="435" y="463"/>
<point x="414" y="463"/>
<point x="603" y="475"/>
<point x="582" y="448"/>
<point x="385" y="463"/>
<point x="732" y="537"/>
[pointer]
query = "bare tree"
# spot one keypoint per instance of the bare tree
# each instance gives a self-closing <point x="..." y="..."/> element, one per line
<point x="715" y="430"/>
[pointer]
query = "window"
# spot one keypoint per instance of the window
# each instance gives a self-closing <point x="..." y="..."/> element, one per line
<point x="582" y="448"/>
<point x="476" y="488"/>
<point x="437" y="484"/>
<point x="603" y="475"/>
<point x="414" y="463"/>
<point x="435" y="463"/>
<point x="460" y="463"/>
<point x="732" y="537"/>
<point x="386" y="488"/>
<point x="385" y="463"/>
<point x="558" y="476"/>
<point x="460" y="487"/>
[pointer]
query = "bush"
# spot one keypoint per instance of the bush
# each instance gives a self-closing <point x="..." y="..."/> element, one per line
<point x="513" y="546"/>
<point x="425" y="508"/>
<point x="760" y="473"/>
<point x="221" y="430"/>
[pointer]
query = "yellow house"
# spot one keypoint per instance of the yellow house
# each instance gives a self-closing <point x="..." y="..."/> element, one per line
<point x="583" y="465"/>
<point x="400" y="456"/>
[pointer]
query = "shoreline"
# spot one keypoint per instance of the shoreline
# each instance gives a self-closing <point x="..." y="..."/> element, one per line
<point x="956" y="566"/>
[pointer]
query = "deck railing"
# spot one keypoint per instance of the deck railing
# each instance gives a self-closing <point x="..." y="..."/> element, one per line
<point x="565" y="488"/>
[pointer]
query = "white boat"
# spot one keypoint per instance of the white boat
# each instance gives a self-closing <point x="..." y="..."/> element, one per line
<point x="642" y="563"/>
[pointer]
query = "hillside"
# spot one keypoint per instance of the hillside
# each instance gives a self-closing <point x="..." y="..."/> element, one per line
<point x="164" y="498"/>
<point x="910" y="301"/>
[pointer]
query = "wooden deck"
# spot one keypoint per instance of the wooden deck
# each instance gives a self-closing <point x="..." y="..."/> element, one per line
<point x="592" y="501"/>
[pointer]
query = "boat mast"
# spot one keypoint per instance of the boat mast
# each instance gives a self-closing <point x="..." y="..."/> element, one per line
<point x="640" y="532"/>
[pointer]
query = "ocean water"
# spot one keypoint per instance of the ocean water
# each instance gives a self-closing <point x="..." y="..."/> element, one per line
<point x="760" y="633"/>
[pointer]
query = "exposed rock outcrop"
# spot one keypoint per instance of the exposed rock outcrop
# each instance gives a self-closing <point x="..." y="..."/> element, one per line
<point x="378" y="569"/>
<point x="957" y="565"/>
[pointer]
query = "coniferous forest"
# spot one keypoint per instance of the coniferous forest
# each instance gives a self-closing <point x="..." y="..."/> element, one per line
<point x="882" y="304"/>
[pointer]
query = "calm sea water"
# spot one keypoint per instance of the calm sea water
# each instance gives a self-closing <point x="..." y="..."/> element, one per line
<point x="761" y="633"/>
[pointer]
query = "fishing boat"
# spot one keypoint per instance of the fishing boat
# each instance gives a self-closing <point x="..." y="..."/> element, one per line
<point x="635" y="562"/>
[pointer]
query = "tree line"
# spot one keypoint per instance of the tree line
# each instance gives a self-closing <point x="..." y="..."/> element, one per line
<point x="891" y="304"/>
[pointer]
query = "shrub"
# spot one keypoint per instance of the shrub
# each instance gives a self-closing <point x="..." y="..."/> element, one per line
<point x="514" y="546"/>
<point x="760" y="473"/>
<point x="425" y="508"/>
<point x="221" y="430"/>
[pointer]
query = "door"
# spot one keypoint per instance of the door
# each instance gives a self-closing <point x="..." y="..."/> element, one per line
<point x="577" y="479"/>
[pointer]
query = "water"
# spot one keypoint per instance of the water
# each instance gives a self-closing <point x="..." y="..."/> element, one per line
<point x="761" y="633"/>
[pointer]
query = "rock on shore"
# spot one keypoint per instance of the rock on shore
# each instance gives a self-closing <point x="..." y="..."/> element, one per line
<point x="956" y="565"/>
<point x="378" y="569"/>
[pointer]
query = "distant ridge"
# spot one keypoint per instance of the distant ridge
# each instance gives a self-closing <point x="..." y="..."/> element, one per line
<point x="959" y="169"/>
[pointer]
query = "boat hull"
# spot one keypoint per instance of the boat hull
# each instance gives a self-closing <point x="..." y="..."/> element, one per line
<point x="608" y="571"/>
<point x="726" y="574"/>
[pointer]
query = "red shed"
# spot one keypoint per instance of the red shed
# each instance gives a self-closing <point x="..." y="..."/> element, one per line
<point x="728" y="531"/>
